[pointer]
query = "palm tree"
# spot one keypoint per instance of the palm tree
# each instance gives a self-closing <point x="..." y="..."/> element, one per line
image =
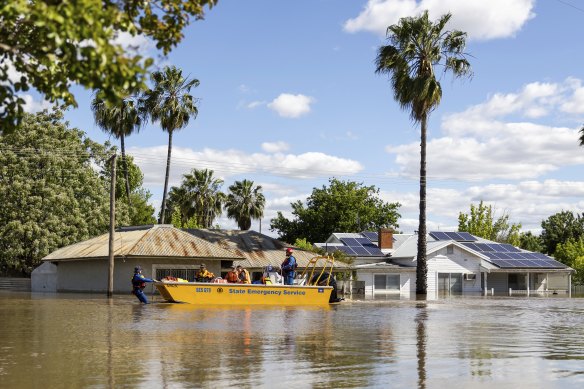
<point x="416" y="45"/>
<point x="171" y="104"/>
<point x="582" y="136"/>
<point x="203" y="195"/>
<point x="119" y="120"/>
<point x="244" y="203"/>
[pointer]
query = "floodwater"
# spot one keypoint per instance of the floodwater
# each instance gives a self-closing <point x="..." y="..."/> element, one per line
<point x="86" y="341"/>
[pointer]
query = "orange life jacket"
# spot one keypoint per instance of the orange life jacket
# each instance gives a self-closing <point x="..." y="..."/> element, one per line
<point x="232" y="277"/>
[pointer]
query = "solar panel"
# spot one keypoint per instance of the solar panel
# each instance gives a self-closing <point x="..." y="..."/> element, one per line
<point x="467" y="237"/>
<point x="363" y="241"/>
<point x="359" y="250"/>
<point x="350" y="241"/>
<point x="374" y="250"/>
<point x="472" y="246"/>
<point x="439" y="235"/>
<point x="372" y="236"/>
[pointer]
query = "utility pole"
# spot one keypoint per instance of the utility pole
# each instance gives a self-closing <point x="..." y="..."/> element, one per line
<point x="110" y="278"/>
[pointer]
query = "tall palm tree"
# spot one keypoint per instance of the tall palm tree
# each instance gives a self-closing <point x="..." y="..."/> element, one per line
<point x="582" y="136"/>
<point x="204" y="196"/>
<point x="244" y="203"/>
<point x="416" y="46"/>
<point x="119" y="120"/>
<point x="170" y="103"/>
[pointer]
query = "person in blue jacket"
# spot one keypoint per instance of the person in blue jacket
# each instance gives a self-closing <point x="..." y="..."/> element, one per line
<point x="139" y="283"/>
<point x="289" y="267"/>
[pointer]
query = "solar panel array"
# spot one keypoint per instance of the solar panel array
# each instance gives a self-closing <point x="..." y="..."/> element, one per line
<point x="450" y="235"/>
<point x="507" y="256"/>
<point x="372" y="236"/>
<point x="358" y="247"/>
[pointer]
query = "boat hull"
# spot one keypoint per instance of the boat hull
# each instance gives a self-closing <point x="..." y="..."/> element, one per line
<point x="243" y="294"/>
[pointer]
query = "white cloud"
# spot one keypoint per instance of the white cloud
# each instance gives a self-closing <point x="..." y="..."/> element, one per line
<point x="226" y="163"/>
<point x="291" y="106"/>
<point x="275" y="147"/>
<point x="255" y="104"/>
<point x="482" y="20"/>
<point x="478" y="144"/>
<point x="134" y="44"/>
<point x="31" y="105"/>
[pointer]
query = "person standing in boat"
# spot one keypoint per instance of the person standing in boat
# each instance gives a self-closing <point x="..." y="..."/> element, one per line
<point x="204" y="275"/>
<point x="139" y="283"/>
<point x="289" y="267"/>
<point x="232" y="277"/>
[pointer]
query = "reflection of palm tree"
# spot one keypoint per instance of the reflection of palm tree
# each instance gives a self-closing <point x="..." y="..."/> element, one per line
<point x="170" y="103"/>
<point x="421" y="340"/>
<point x="416" y="45"/>
<point x="203" y="196"/>
<point x="245" y="203"/>
<point x="120" y="121"/>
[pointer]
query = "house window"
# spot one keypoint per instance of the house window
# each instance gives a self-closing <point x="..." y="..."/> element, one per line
<point x="450" y="249"/>
<point x="386" y="282"/>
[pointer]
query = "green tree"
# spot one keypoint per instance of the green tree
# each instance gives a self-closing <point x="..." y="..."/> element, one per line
<point x="244" y="203"/>
<point x="560" y="227"/>
<point x="571" y="253"/>
<point x="171" y="104"/>
<point x="52" y="196"/>
<point x="528" y="241"/>
<point x="54" y="44"/>
<point x="176" y="221"/>
<point x="481" y="222"/>
<point x="119" y="120"/>
<point x="416" y="46"/>
<point x="198" y="197"/>
<point x="341" y="207"/>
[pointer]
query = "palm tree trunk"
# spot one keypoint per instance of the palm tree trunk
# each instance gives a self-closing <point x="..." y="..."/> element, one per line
<point x="421" y="267"/>
<point x="126" y="173"/>
<point x="163" y="207"/>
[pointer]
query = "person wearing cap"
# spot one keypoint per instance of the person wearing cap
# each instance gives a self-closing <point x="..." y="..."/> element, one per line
<point x="204" y="275"/>
<point x="232" y="277"/>
<point x="139" y="283"/>
<point x="289" y="267"/>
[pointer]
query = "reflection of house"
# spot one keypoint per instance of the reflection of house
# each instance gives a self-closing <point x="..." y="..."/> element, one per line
<point x="457" y="262"/>
<point x="161" y="250"/>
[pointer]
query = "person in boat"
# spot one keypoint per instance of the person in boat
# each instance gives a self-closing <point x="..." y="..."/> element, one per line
<point x="232" y="276"/>
<point x="271" y="276"/>
<point x="243" y="275"/>
<point x="204" y="275"/>
<point x="289" y="267"/>
<point x="139" y="283"/>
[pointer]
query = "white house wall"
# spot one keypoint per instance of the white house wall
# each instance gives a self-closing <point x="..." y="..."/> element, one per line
<point x="558" y="281"/>
<point x="459" y="262"/>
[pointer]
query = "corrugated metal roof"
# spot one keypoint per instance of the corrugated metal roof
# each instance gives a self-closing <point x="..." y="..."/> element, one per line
<point x="149" y="241"/>
<point x="259" y="250"/>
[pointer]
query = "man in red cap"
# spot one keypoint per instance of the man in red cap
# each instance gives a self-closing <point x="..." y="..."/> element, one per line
<point x="289" y="267"/>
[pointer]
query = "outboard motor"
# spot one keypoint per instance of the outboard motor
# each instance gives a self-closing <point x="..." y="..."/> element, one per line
<point x="322" y="281"/>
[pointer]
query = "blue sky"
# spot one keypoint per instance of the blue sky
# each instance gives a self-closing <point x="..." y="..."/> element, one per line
<point x="289" y="98"/>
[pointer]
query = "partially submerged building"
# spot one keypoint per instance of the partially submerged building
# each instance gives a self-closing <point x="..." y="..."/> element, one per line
<point x="457" y="263"/>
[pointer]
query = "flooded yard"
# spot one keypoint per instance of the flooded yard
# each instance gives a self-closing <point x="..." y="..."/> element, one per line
<point x="86" y="341"/>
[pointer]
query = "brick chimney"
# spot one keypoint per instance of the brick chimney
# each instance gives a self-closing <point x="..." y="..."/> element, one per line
<point x="385" y="238"/>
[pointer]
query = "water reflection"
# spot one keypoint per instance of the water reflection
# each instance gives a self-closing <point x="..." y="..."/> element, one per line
<point x="88" y="341"/>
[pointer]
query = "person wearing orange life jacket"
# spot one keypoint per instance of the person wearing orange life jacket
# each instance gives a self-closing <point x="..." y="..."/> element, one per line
<point x="232" y="277"/>
<point x="139" y="283"/>
<point x="204" y="275"/>
<point x="243" y="275"/>
<point x="289" y="267"/>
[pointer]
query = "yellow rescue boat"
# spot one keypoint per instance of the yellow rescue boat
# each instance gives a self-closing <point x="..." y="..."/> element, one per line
<point x="314" y="288"/>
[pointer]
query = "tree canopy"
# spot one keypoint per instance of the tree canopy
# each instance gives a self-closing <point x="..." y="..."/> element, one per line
<point x="571" y="253"/>
<point x="343" y="206"/>
<point x="481" y="222"/>
<point x="244" y="203"/>
<point x="52" y="195"/>
<point x="560" y="227"/>
<point x="50" y="45"/>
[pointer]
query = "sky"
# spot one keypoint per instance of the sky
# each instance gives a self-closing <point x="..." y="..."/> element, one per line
<point x="289" y="98"/>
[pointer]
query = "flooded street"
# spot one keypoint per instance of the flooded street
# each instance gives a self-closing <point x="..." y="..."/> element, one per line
<point x="86" y="341"/>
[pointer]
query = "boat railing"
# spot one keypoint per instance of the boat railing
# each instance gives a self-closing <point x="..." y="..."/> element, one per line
<point x="313" y="276"/>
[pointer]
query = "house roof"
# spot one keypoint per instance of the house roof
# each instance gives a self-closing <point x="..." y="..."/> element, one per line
<point x="258" y="250"/>
<point x="144" y="241"/>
